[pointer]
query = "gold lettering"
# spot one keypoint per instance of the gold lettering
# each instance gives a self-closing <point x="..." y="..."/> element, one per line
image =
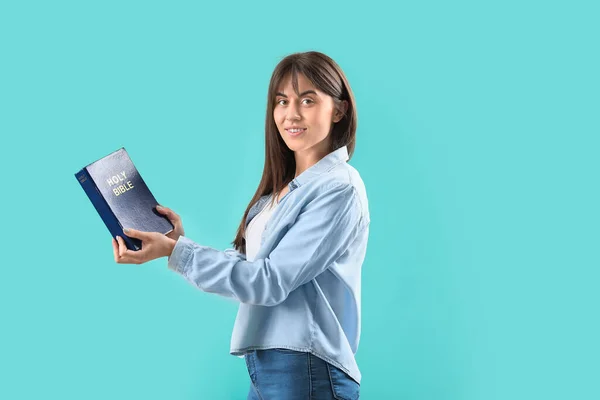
<point x="119" y="190"/>
<point x="113" y="180"/>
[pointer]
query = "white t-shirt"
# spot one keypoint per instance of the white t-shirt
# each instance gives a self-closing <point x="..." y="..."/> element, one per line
<point x="255" y="229"/>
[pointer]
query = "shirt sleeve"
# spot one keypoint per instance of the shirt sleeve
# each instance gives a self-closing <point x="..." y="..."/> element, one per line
<point x="323" y="231"/>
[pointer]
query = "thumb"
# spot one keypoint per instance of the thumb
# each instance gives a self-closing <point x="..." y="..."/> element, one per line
<point x="162" y="210"/>
<point x="134" y="233"/>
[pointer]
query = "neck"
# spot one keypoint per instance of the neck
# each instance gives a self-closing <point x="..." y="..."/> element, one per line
<point x="309" y="157"/>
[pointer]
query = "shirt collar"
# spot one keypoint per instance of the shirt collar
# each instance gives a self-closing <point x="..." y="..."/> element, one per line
<point x="324" y="164"/>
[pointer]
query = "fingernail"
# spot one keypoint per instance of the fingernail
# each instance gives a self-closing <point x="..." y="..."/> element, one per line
<point x="125" y="229"/>
<point x="158" y="207"/>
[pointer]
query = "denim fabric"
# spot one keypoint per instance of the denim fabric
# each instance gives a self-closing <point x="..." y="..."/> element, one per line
<point x="302" y="290"/>
<point x="288" y="375"/>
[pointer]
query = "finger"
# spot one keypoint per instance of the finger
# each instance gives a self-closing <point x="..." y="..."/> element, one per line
<point x="134" y="233"/>
<point x="115" y="247"/>
<point x="126" y="256"/>
<point x="174" y="217"/>
<point x="122" y="246"/>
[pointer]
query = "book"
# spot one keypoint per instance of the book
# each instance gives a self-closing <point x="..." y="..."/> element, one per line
<point x="121" y="197"/>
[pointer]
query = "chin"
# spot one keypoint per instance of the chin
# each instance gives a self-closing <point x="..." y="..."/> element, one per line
<point x="294" y="144"/>
<point x="297" y="146"/>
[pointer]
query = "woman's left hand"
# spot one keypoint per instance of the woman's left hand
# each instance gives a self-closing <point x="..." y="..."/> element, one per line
<point x="154" y="245"/>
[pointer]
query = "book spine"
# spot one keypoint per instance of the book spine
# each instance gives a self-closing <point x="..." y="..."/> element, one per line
<point x="104" y="210"/>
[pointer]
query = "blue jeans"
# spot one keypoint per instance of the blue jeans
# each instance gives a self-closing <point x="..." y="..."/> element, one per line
<point x="281" y="374"/>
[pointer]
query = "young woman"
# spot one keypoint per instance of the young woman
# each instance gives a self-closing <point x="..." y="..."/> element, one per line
<point x="296" y="263"/>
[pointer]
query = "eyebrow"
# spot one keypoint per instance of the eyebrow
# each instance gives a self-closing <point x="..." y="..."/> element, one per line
<point x="301" y="94"/>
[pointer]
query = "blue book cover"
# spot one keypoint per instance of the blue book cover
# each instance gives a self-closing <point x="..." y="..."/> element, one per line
<point x="116" y="189"/>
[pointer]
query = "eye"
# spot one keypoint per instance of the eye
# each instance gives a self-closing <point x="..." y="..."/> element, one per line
<point x="309" y="101"/>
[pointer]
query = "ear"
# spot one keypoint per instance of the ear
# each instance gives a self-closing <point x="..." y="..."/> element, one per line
<point x="340" y="111"/>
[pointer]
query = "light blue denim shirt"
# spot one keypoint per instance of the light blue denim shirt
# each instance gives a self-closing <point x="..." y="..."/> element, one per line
<point x="302" y="291"/>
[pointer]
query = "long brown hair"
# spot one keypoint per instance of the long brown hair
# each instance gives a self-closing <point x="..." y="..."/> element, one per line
<point x="280" y="164"/>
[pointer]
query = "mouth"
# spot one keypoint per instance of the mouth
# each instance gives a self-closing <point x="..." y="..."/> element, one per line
<point x="295" y="131"/>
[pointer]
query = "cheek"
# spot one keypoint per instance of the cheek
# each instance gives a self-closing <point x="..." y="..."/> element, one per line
<point x="323" y="117"/>
<point x="278" y="123"/>
<point x="277" y="115"/>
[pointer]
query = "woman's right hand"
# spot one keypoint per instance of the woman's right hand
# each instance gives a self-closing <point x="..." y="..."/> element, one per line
<point x="175" y="220"/>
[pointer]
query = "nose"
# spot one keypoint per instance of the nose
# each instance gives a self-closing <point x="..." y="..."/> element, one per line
<point x="292" y="112"/>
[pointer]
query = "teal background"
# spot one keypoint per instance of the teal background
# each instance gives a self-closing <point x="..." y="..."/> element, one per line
<point x="478" y="142"/>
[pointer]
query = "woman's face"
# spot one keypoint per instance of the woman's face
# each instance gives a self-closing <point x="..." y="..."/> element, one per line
<point x="313" y="112"/>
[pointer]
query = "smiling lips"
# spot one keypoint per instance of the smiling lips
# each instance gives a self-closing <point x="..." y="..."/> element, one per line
<point x="295" y="131"/>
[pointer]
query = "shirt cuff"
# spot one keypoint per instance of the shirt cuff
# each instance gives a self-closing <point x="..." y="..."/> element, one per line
<point x="181" y="254"/>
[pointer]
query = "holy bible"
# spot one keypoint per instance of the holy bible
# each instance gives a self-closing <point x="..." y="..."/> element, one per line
<point x="121" y="197"/>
